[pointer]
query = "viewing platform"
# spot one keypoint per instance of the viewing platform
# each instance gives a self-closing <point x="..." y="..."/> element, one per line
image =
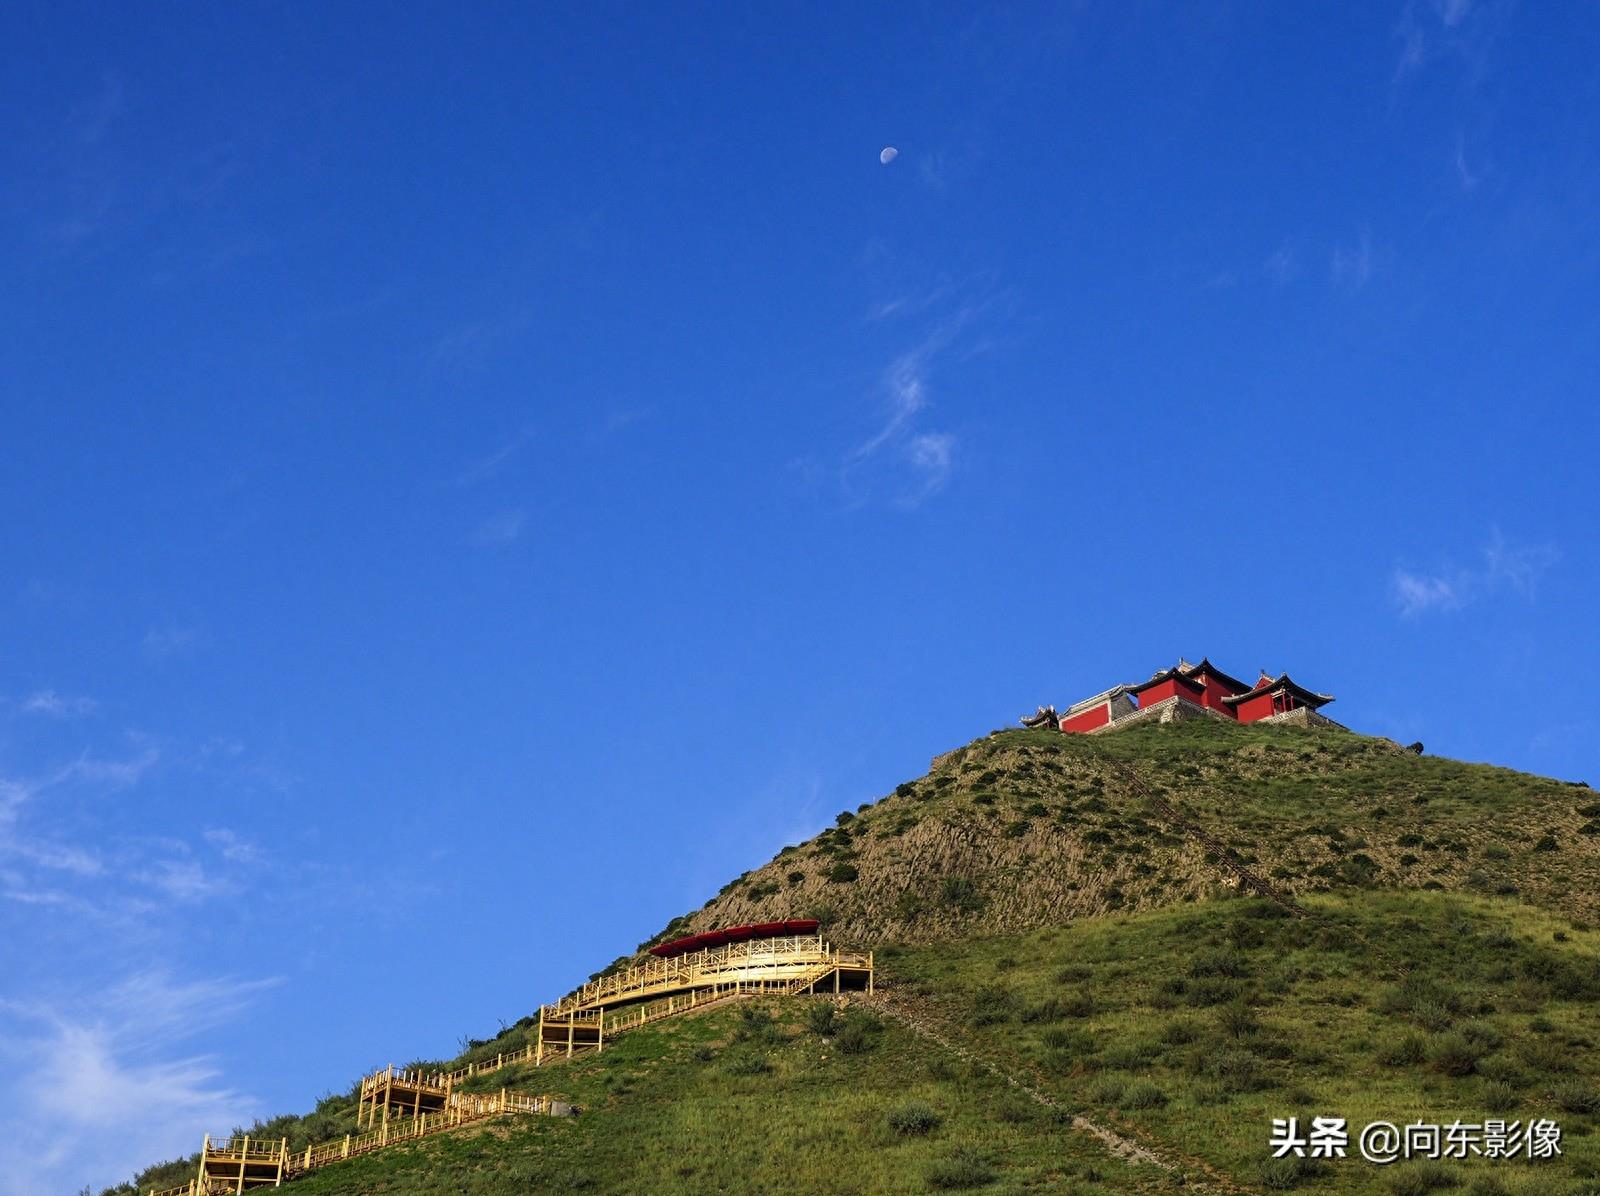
<point x="787" y="964"/>
<point x="397" y="1104"/>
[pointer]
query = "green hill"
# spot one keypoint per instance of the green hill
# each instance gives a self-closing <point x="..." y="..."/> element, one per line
<point x="1108" y="963"/>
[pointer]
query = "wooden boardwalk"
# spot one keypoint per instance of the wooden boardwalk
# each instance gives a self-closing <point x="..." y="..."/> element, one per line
<point x="400" y="1105"/>
<point x="238" y="1163"/>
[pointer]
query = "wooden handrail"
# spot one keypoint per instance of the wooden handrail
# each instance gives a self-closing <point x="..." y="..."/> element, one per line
<point x="785" y="965"/>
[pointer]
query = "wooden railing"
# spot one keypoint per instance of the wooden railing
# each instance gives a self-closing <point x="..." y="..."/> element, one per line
<point x="787" y="965"/>
<point x="700" y="972"/>
<point x="700" y="968"/>
<point x="460" y="1109"/>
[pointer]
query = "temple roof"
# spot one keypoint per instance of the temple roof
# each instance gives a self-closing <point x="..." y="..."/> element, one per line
<point x="1178" y="672"/>
<point x="1205" y="666"/>
<point x="1116" y="691"/>
<point x="1282" y="682"/>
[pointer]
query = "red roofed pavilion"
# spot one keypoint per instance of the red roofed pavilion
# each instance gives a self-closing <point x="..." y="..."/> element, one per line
<point x="1274" y="695"/>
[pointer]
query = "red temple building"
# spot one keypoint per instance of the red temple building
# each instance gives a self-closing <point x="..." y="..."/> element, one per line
<point x="1191" y="691"/>
<point x="1272" y="696"/>
<point x="1099" y="711"/>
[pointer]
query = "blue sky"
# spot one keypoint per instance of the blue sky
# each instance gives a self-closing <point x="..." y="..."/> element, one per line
<point x="473" y="485"/>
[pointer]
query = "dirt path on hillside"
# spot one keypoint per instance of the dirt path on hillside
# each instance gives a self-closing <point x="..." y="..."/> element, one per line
<point x="920" y="1018"/>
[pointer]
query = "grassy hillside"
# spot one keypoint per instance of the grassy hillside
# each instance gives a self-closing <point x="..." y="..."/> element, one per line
<point x="1033" y="828"/>
<point x="751" y="1100"/>
<point x="1071" y="957"/>
<point x="1194" y="1027"/>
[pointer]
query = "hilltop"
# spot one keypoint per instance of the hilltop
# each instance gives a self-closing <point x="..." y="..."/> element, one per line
<point x="1108" y="962"/>
<point x="1032" y="828"/>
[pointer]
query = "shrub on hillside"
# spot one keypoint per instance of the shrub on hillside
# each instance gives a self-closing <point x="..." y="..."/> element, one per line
<point x="1108" y="1090"/>
<point x="748" y="1065"/>
<point x="1482" y="1035"/>
<point x="1543" y="1055"/>
<point x="1238" y="1020"/>
<point x="757" y="1025"/>
<point x="822" y="1019"/>
<point x="1234" y="1070"/>
<point x="913" y="1118"/>
<point x="1078" y="1004"/>
<point x="1498" y="1097"/>
<point x="1280" y="1175"/>
<point x="1404" y="1051"/>
<point x="1048" y="1010"/>
<point x="1454" y="1055"/>
<point x="1211" y="990"/>
<point x="963" y="1169"/>
<point x="992" y="1004"/>
<point x="1574" y="1096"/>
<point x="960" y="893"/>
<point x="858" y="1034"/>
<point x="1142" y="1094"/>
<point x="1180" y="1032"/>
<point x="1059" y="1038"/>
<point x="843" y="873"/>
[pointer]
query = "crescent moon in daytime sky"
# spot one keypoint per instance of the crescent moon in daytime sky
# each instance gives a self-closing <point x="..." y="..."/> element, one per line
<point x="888" y="155"/>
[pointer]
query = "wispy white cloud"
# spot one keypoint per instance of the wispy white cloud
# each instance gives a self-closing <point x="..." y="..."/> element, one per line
<point x="1500" y="568"/>
<point x="922" y="459"/>
<point x="906" y="388"/>
<point x="183" y="880"/>
<point x="1517" y="567"/>
<point x="1429" y="30"/>
<point x="113" y="773"/>
<point x="54" y="705"/>
<point x="910" y="303"/>
<point x="1419" y="592"/>
<point x="232" y="847"/>
<point x="59" y="857"/>
<point x="932" y="455"/>
<point x="102" y="1086"/>
<point x="16" y="792"/>
<point x="488" y="466"/>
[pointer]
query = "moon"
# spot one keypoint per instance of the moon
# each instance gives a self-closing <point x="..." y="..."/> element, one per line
<point x="888" y="154"/>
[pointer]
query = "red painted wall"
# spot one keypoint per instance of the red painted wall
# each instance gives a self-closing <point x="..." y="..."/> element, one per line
<point x="1215" y="691"/>
<point x="1088" y="720"/>
<point x="1261" y="706"/>
<point x="1171" y="687"/>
